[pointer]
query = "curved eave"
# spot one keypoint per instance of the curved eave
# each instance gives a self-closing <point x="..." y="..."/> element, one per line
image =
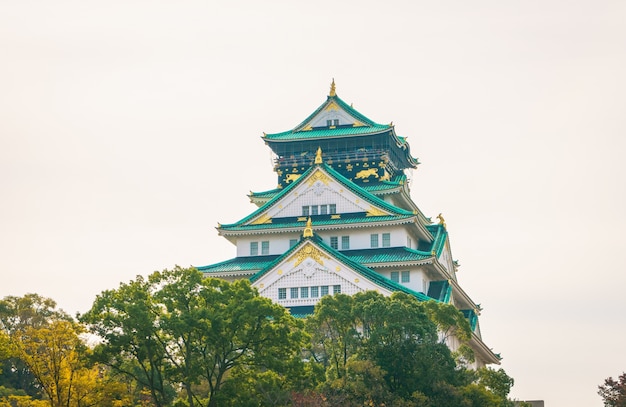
<point x="325" y="134"/>
<point x="318" y="224"/>
<point x="486" y="354"/>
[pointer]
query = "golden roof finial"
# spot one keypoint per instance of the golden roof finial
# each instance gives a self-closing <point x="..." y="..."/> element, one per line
<point x="442" y="222"/>
<point x="332" y="89"/>
<point x="308" y="229"/>
<point x="318" y="156"/>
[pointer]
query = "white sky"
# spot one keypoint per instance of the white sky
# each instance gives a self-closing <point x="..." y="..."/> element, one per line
<point x="129" y="129"/>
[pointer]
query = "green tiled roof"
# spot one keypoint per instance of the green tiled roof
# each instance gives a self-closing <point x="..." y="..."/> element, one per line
<point x="366" y="272"/>
<point x="340" y="131"/>
<point x="440" y="235"/>
<point x="362" y="193"/>
<point x="386" y="255"/>
<point x="330" y="99"/>
<point x="239" y="264"/>
<point x="318" y="220"/>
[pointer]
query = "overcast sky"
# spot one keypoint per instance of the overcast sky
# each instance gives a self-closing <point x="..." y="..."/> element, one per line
<point x="129" y="129"/>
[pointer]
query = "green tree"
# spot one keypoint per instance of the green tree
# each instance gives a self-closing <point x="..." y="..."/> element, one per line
<point x="334" y="333"/>
<point x="178" y="329"/>
<point x="613" y="392"/>
<point x="127" y="321"/>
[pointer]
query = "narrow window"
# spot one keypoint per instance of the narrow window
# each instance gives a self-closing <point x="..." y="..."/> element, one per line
<point x="294" y="292"/>
<point x="336" y="122"/>
<point x="304" y="292"/>
<point x="323" y="290"/>
<point x="323" y="209"/>
<point x="374" y="240"/>
<point x="329" y="123"/>
<point x="386" y="239"/>
<point x="314" y="210"/>
<point x="334" y="242"/>
<point x="315" y="292"/>
<point x="293" y="242"/>
<point x="282" y="293"/>
<point x="406" y="277"/>
<point x="395" y="276"/>
<point x="332" y="209"/>
<point x="345" y="242"/>
<point x="265" y="247"/>
<point x="305" y="211"/>
<point x="254" y="248"/>
<point x="336" y="289"/>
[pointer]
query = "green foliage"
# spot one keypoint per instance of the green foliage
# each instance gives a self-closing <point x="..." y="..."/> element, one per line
<point x="613" y="392"/>
<point x="178" y="339"/>
<point x="179" y="330"/>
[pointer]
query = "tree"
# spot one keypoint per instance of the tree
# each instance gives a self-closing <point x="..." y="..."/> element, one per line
<point x="18" y="314"/>
<point x="127" y="321"/>
<point x="179" y="330"/>
<point x="613" y="392"/>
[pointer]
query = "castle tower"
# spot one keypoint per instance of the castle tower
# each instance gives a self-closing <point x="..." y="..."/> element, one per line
<point x="341" y="220"/>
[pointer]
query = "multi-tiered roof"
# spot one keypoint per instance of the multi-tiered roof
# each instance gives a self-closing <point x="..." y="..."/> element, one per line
<point x="341" y="188"/>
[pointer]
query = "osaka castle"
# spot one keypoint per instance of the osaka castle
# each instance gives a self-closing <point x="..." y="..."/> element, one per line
<point x="341" y="220"/>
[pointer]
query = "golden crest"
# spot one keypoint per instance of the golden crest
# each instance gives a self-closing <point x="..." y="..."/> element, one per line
<point x="318" y="176"/>
<point x="309" y="251"/>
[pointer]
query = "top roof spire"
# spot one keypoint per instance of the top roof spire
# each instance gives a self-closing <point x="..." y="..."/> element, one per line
<point x="332" y="89"/>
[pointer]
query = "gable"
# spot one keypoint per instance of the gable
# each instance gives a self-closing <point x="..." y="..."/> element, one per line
<point x="310" y="267"/>
<point x="318" y="188"/>
<point x="334" y="112"/>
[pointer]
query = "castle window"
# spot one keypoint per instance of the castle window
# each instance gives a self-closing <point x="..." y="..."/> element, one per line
<point x="332" y="209"/>
<point x="294" y="292"/>
<point x="304" y="292"/>
<point x="374" y="240"/>
<point x="406" y="277"/>
<point x="265" y="247"/>
<point x="395" y="276"/>
<point x="386" y="239"/>
<point x="282" y="293"/>
<point x="336" y="289"/>
<point x="336" y="122"/>
<point x="323" y="209"/>
<point x="345" y="242"/>
<point x="315" y="292"/>
<point x="329" y="123"/>
<point x="334" y="242"/>
<point x="314" y="210"/>
<point x="305" y="211"/>
<point x="323" y="290"/>
<point x="254" y="248"/>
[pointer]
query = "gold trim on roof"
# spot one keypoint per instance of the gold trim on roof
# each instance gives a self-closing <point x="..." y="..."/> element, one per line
<point x="442" y="221"/>
<point x="373" y="211"/>
<point x="308" y="229"/>
<point x="318" y="156"/>
<point x="262" y="220"/>
<point x="333" y="91"/>
<point x="318" y="176"/>
<point x="309" y="251"/>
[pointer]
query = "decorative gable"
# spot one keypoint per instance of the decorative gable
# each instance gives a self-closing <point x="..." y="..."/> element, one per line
<point x="308" y="273"/>
<point x="331" y="115"/>
<point x="318" y="193"/>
